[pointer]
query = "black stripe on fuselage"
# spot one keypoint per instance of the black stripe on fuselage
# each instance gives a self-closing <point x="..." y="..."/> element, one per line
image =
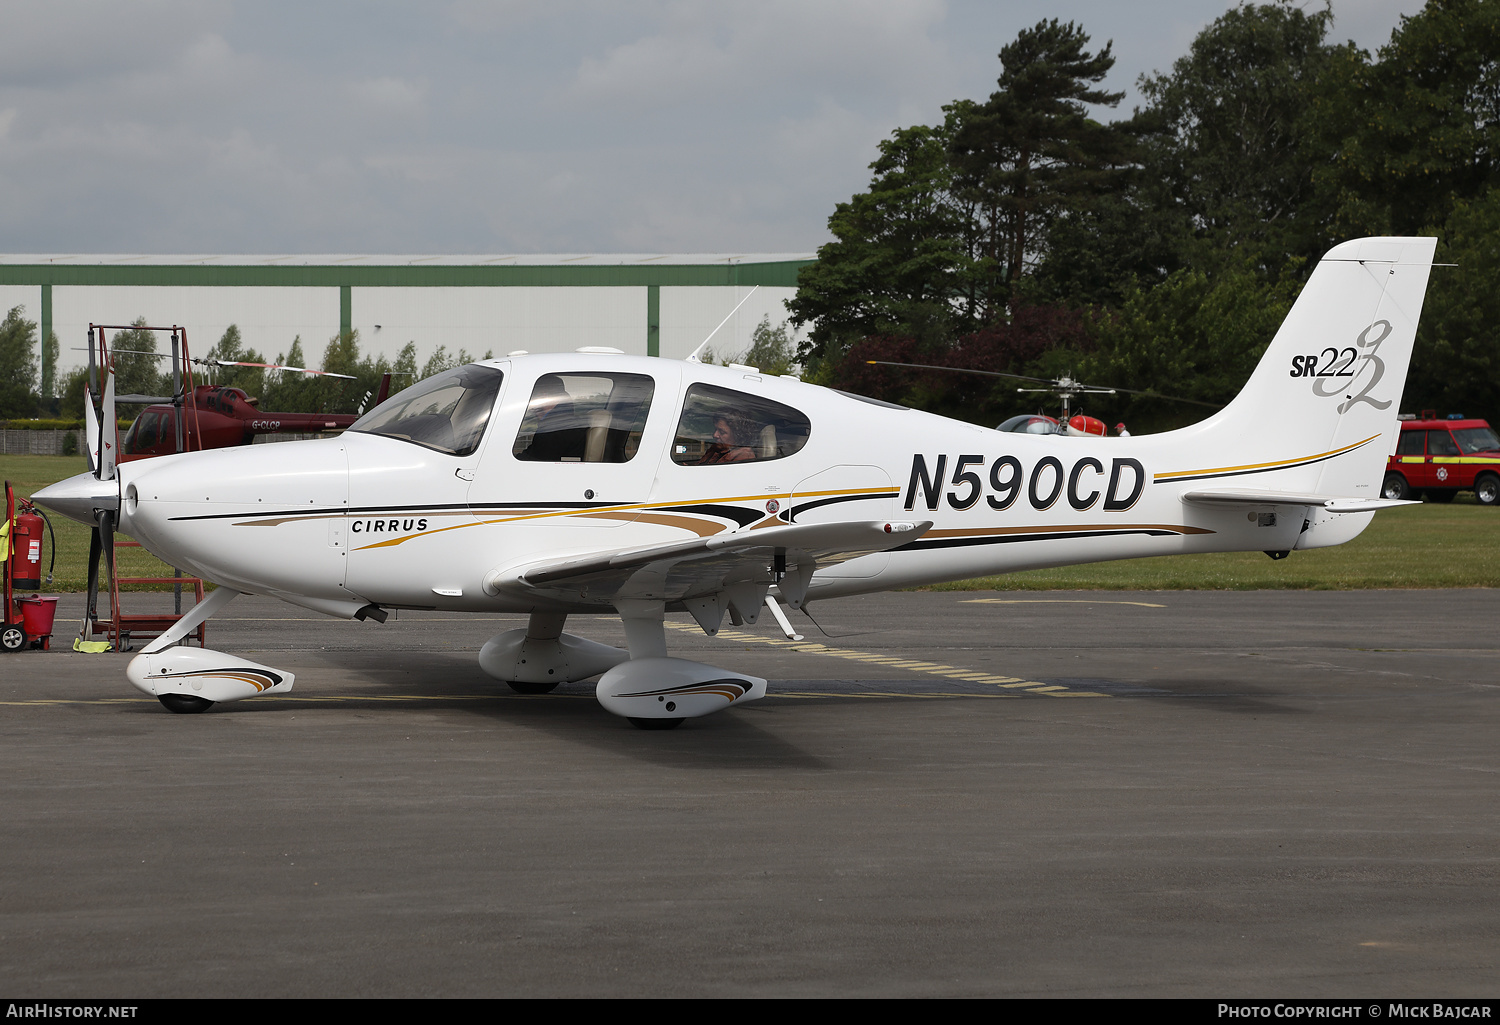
<point x="809" y="506"/>
<point x="744" y="517"/>
<point x="400" y="510"/>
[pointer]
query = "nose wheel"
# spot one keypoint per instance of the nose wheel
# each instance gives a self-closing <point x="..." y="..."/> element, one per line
<point x="184" y="704"/>
<point x="654" y="724"/>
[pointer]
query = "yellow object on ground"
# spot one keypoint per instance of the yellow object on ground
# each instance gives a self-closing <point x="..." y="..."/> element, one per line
<point x="92" y="647"/>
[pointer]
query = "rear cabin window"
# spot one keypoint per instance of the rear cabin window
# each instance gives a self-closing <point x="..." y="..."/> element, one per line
<point x="1411" y="443"/>
<point x="585" y="418"/>
<point x="447" y="412"/>
<point x="720" y="426"/>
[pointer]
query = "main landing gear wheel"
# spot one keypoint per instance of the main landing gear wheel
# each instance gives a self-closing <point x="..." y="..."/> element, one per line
<point x="532" y="688"/>
<point x="12" y="638"/>
<point x="1487" y="490"/>
<point x="655" y="724"/>
<point x="1395" y="488"/>
<point x="184" y="704"/>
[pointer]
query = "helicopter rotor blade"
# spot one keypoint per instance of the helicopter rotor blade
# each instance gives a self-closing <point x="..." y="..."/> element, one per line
<point x="271" y="366"/>
<point x="1078" y="387"/>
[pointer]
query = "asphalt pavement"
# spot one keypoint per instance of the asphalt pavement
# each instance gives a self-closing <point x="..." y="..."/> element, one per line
<point x="1214" y="794"/>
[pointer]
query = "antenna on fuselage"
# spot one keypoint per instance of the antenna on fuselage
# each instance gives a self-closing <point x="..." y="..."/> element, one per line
<point x="692" y="357"/>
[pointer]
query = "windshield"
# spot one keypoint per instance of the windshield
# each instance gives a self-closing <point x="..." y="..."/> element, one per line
<point x="446" y="412"/>
<point x="1031" y="423"/>
<point x="1476" y="439"/>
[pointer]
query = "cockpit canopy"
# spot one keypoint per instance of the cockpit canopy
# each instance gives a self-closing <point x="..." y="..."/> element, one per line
<point x="447" y="412"/>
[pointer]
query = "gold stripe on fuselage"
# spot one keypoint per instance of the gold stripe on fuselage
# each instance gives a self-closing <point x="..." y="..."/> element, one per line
<point x="1251" y="467"/>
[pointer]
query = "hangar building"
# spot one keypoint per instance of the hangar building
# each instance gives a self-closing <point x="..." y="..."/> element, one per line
<point x="649" y="304"/>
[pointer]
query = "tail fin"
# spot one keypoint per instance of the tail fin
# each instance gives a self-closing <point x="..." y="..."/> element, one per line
<point x="1319" y="412"/>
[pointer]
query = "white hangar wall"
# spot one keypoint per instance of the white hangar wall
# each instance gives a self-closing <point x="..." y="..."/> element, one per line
<point x="580" y="300"/>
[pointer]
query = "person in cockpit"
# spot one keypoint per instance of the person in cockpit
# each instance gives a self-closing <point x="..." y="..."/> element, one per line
<point x="727" y="446"/>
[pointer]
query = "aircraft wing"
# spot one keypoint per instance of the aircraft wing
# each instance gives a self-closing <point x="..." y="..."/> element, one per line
<point x="706" y="566"/>
<point x="1254" y="496"/>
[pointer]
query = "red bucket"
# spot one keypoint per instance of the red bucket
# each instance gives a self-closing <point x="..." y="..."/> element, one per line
<point x="37" y="614"/>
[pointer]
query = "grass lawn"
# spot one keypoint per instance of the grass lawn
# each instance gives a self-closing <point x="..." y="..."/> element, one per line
<point x="1431" y="545"/>
<point x="32" y="473"/>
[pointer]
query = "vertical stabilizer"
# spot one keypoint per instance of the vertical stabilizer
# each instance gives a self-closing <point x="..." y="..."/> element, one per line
<point x="1319" y="412"/>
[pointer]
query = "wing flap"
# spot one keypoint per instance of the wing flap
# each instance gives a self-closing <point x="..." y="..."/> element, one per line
<point x="700" y="565"/>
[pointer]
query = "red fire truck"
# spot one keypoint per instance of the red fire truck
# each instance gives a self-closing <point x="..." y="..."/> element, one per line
<point x="1437" y="459"/>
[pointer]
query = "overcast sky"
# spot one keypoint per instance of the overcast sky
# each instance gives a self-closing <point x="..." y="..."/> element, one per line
<point x="495" y="126"/>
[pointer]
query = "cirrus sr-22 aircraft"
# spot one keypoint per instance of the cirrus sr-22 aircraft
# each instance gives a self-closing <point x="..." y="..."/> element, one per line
<point x="555" y="484"/>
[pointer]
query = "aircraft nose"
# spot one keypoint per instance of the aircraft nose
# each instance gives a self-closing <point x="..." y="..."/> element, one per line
<point x="78" y="497"/>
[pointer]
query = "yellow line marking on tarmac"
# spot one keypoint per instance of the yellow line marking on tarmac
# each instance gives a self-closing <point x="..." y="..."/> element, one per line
<point x="1054" y="601"/>
<point x="307" y="698"/>
<point x="1011" y="683"/>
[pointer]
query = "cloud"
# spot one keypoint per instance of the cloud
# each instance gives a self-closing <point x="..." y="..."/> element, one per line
<point x="773" y="48"/>
<point x="390" y="96"/>
<point x="495" y="125"/>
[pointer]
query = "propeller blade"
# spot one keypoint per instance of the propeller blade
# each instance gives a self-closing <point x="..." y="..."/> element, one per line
<point x="90" y="431"/>
<point x="91" y="610"/>
<point x="109" y="428"/>
<point x="102" y="543"/>
<point x="144" y="400"/>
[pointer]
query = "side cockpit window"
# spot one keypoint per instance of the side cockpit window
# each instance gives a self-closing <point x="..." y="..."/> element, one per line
<point x="447" y="412"/>
<point x="585" y="418"/>
<point x="719" y="425"/>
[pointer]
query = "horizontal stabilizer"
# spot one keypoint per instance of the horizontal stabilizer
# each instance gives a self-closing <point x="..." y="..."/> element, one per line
<point x="1259" y="497"/>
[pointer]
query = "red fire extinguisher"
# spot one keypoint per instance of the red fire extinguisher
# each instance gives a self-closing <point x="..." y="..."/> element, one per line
<point x="26" y="549"/>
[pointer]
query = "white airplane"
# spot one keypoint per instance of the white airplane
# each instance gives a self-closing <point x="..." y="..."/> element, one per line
<point x="595" y="481"/>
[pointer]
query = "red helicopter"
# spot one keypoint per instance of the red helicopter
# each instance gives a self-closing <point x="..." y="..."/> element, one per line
<point x="211" y="416"/>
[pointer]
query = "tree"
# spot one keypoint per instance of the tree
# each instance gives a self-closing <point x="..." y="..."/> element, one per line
<point x="137" y="370"/>
<point x="18" y="369"/>
<point x="957" y="214"/>
<point x="1413" y="134"/>
<point x="900" y="259"/>
<point x="1036" y="341"/>
<point x="1031" y="152"/>
<point x="285" y="390"/>
<point x="52" y="351"/>
<point x="231" y="348"/>
<point x="772" y="349"/>
<point x="1198" y="335"/>
<point x="1234" y="140"/>
<point x="1456" y="363"/>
